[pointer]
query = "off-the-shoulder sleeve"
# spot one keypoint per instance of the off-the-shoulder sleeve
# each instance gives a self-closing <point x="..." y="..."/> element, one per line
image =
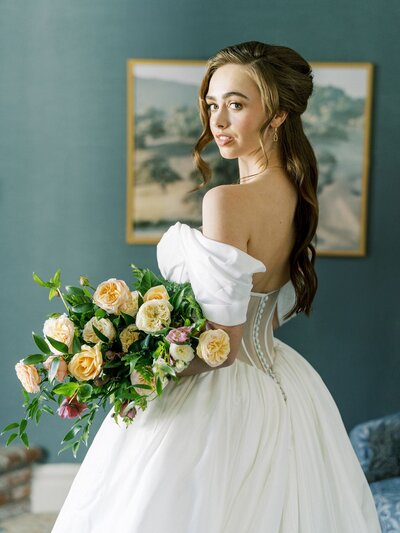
<point x="220" y="274"/>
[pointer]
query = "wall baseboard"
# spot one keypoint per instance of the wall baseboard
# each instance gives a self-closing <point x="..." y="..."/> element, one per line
<point x="50" y="486"/>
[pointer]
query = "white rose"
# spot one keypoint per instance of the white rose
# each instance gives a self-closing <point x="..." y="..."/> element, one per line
<point x="61" y="329"/>
<point x="130" y="307"/>
<point x="180" y="365"/>
<point x="138" y="379"/>
<point x="159" y="292"/>
<point x="104" y="325"/>
<point x="154" y="315"/>
<point x="111" y="295"/>
<point x="182" y="352"/>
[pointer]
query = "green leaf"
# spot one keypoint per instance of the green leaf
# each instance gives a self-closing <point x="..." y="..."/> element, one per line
<point x="11" y="438"/>
<point x="83" y="308"/>
<point x="66" y="447"/>
<point x="75" y="448"/>
<point x="24" y="438"/>
<point x="23" y="425"/>
<point x="74" y="291"/>
<point x="100" y="313"/>
<point x="41" y="343"/>
<point x="158" y="386"/>
<point x="84" y="392"/>
<point x="71" y="433"/>
<point x="9" y="427"/>
<point x="100" y="335"/>
<point x="41" y="282"/>
<point x="55" y="363"/>
<point x="34" y="359"/>
<point x="76" y="345"/>
<point x="53" y="292"/>
<point x="56" y="278"/>
<point x="60" y="346"/>
<point x="128" y="319"/>
<point x="38" y="416"/>
<point x="27" y="398"/>
<point x="67" y="389"/>
<point x="48" y="409"/>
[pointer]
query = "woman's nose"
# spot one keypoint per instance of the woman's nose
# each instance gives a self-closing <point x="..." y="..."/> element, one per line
<point x="220" y="118"/>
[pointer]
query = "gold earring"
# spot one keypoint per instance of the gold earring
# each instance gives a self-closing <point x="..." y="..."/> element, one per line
<point x="275" y="137"/>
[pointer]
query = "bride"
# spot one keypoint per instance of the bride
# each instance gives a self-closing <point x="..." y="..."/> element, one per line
<point x="256" y="445"/>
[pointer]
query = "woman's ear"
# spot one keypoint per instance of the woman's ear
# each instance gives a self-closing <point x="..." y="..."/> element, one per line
<point x="278" y="119"/>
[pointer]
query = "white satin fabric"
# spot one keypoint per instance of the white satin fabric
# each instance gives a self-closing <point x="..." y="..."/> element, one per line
<point x="256" y="447"/>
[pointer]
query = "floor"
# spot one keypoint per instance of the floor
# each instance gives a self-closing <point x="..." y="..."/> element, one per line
<point x="29" y="523"/>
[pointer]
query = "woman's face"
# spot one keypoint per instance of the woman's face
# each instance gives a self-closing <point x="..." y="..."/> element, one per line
<point x="235" y="112"/>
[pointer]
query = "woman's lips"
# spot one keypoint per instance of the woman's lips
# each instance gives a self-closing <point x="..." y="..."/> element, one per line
<point x="223" y="140"/>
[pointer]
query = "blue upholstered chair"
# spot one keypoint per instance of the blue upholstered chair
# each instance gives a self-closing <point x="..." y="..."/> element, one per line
<point x="377" y="445"/>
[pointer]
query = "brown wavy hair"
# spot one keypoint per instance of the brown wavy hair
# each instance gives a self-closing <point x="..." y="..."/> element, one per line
<point x="285" y="81"/>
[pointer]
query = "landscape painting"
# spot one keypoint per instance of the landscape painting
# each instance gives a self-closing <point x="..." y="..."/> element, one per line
<point x="163" y="125"/>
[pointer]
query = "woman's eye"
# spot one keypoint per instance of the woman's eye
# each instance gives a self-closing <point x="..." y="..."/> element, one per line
<point x="236" y="104"/>
<point x="209" y="106"/>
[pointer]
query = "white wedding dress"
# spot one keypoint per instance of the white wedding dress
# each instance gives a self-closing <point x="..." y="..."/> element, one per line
<point x="255" y="447"/>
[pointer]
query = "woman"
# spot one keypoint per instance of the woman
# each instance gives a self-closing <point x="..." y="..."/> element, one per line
<point x="257" y="444"/>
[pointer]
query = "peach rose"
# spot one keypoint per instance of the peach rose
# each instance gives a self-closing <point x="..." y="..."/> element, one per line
<point x="111" y="295"/>
<point x="28" y="376"/>
<point x="86" y="365"/>
<point x="159" y="292"/>
<point x="61" y="329"/>
<point x="213" y="346"/>
<point x="127" y="336"/>
<point x="104" y="325"/>
<point x="130" y="307"/>
<point x="62" y="369"/>
<point x="154" y="315"/>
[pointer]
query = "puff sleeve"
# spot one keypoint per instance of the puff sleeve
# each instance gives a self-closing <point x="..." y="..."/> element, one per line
<point x="220" y="274"/>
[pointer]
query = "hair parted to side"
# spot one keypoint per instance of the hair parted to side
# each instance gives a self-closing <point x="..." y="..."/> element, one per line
<point x="285" y="81"/>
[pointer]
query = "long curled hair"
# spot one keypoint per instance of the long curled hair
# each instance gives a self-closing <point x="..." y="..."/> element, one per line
<point x="285" y="82"/>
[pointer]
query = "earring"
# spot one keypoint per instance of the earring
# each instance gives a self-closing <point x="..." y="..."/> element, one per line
<point x="275" y="137"/>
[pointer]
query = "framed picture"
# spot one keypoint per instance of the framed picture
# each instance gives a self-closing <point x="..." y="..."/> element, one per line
<point x="163" y="125"/>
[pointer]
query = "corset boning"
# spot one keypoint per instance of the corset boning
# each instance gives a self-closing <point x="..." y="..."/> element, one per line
<point x="257" y="346"/>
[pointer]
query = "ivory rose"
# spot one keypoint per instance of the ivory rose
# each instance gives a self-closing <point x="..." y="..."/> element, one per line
<point x="111" y="295"/>
<point x="61" y="329"/>
<point x="130" y="307"/>
<point x="154" y="315"/>
<point x="181" y="352"/>
<point x="104" y="325"/>
<point x="159" y="292"/>
<point x="127" y="336"/>
<point x="62" y="369"/>
<point x="213" y="346"/>
<point x="86" y="365"/>
<point x="28" y="376"/>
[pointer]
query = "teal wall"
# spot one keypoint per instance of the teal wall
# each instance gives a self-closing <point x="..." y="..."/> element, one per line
<point x="63" y="160"/>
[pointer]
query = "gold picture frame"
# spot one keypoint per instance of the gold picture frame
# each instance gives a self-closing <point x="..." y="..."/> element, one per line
<point x="163" y="125"/>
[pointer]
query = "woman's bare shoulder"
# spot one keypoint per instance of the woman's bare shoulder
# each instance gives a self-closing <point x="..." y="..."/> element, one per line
<point x="221" y="216"/>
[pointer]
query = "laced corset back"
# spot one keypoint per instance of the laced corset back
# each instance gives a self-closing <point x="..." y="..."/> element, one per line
<point x="257" y="346"/>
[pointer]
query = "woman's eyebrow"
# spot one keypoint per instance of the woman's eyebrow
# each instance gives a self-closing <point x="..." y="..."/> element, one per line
<point x="227" y="95"/>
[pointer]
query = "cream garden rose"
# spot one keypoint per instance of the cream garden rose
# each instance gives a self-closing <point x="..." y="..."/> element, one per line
<point x="111" y="295"/>
<point x="28" y="376"/>
<point x="86" y="364"/>
<point x="182" y="352"/>
<point x="61" y="329"/>
<point x="154" y="315"/>
<point x="213" y="346"/>
<point x="130" y="307"/>
<point x="159" y="292"/>
<point x="104" y="325"/>
<point x="127" y="336"/>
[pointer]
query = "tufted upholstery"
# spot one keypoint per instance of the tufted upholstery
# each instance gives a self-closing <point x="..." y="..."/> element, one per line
<point x="377" y="445"/>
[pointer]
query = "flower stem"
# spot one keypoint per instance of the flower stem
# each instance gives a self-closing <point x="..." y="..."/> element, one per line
<point x="62" y="298"/>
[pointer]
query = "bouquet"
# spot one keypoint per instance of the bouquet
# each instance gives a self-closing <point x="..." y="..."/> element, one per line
<point x="112" y="345"/>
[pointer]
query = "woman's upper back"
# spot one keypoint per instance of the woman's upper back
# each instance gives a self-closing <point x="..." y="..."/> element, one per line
<point x="256" y="217"/>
